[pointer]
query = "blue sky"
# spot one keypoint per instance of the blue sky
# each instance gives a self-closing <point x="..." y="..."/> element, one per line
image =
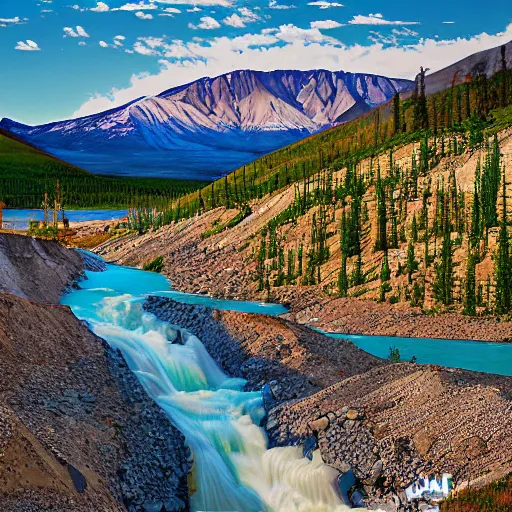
<point x="65" y="58"/>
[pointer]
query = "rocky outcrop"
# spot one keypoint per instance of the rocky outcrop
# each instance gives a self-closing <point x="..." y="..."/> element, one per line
<point x="262" y="349"/>
<point x="37" y="269"/>
<point x="77" y="431"/>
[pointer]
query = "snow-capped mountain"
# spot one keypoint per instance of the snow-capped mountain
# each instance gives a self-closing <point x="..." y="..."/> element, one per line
<point x="213" y="125"/>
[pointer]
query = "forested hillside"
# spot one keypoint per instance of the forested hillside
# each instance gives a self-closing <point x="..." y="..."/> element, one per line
<point x="406" y="204"/>
<point x="26" y="173"/>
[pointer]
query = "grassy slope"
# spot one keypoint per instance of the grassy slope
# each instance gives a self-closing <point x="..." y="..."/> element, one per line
<point x="21" y="160"/>
<point x="26" y="172"/>
<point x="494" y="497"/>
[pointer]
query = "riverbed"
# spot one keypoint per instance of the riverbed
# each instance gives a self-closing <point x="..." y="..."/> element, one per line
<point x="233" y="469"/>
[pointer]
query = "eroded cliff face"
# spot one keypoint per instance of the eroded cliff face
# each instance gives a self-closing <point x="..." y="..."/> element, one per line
<point x="35" y="269"/>
<point x="77" y="430"/>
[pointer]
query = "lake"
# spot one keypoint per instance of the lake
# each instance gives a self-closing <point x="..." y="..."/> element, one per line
<point x="19" y="219"/>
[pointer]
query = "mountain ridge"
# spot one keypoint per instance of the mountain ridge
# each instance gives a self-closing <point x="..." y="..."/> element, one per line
<point x="211" y="125"/>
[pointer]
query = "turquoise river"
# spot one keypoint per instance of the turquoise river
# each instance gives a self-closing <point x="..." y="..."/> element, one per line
<point x="233" y="468"/>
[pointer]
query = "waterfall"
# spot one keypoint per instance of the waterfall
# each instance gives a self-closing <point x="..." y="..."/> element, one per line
<point x="233" y="470"/>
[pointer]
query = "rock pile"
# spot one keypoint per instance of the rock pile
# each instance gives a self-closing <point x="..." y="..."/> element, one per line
<point x="262" y="349"/>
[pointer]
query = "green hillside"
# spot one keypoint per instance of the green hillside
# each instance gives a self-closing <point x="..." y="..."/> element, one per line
<point x="472" y="109"/>
<point x="20" y="160"/>
<point x="26" y="173"/>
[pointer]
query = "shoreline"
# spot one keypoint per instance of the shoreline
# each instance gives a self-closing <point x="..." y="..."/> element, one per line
<point x="189" y="271"/>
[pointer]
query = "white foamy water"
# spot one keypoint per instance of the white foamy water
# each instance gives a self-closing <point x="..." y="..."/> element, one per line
<point x="233" y="470"/>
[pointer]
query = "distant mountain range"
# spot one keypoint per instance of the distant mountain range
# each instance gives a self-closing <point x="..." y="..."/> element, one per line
<point x="213" y="125"/>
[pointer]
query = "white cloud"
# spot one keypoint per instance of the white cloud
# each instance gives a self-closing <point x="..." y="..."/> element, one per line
<point x="141" y="6"/>
<point x="326" y="24"/>
<point x="79" y="32"/>
<point x="235" y="20"/>
<point x="274" y="5"/>
<point x="100" y="7"/>
<point x="103" y="44"/>
<point x="4" y="22"/>
<point x="28" y="46"/>
<point x="404" y="32"/>
<point x="268" y="50"/>
<point x="377" y="19"/>
<point x="196" y="3"/>
<point x="325" y="5"/>
<point x="448" y="22"/>
<point x="248" y="14"/>
<point x="172" y="10"/>
<point x="207" y="23"/>
<point x="144" y="16"/>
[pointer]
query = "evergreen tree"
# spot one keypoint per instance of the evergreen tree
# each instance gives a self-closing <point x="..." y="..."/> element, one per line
<point x="381" y="243"/>
<point x="443" y="286"/>
<point x="414" y="229"/>
<point x="343" y="277"/>
<point x="470" y="297"/>
<point x="504" y="79"/>
<point x="503" y="263"/>
<point x="412" y="264"/>
<point x="396" y="113"/>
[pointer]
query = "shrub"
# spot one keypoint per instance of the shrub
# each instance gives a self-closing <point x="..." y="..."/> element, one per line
<point x="394" y="355"/>
<point x="156" y="265"/>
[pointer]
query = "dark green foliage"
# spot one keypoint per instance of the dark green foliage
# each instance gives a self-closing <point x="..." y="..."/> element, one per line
<point x="489" y="186"/>
<point x="414" y="229"/>
<point x="503" y="263"/>
<point x="470" y="298"/>
<point x="412" y="264"/>
<point x="381" y="244"/>
<point x="443" y="285"/>
<point x="27" y="173"/>
<point x="156" y="265"/>
<point x="394" y="355"/>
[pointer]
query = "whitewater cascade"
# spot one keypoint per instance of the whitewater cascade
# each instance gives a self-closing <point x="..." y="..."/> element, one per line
<point x="233" y="470"/>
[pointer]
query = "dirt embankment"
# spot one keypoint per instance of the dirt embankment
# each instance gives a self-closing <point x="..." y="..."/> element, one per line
<point x="36" y="269"/>
<point x="353" y="316"/>
<point x="390" y="423"/>
<point x="77" y="430"/>
<point x="224" y="264"/>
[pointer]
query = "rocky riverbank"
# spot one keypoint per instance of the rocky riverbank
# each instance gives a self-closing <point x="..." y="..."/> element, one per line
<point x="77" y="430"/>
<point x="219" y="269"/>
<point x="263" y="349"/>
<point x="354" y="316"/>
<point x="388" y="423"/>
<point x="35" y="269"/>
